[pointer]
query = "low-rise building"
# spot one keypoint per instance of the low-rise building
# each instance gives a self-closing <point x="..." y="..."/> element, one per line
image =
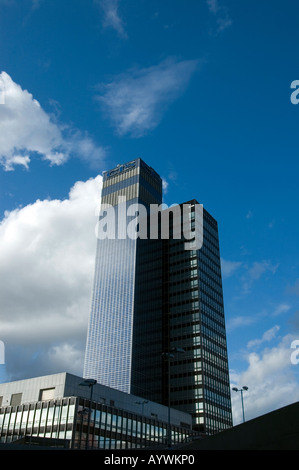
<point x="62" y="407"/>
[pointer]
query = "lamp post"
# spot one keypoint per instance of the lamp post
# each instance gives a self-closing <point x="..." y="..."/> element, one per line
<point x="142" y="403"/>
<point x="244" y="388"/>
<point x="168" y="356"/>
<point x="88" y="383"/>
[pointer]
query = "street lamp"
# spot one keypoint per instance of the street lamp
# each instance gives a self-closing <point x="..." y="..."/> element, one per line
<point x="168" y="356"/>
<point x="142" y="403"/>
<point x="244" y="388"/>
<point x="88" y="383"/>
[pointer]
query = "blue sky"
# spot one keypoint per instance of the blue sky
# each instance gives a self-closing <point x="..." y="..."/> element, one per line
<point x="201" y="91"/>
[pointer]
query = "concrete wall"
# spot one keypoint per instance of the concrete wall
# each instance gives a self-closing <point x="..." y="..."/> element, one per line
<point x="67" y="385"/>
<point x="30" y="388"/>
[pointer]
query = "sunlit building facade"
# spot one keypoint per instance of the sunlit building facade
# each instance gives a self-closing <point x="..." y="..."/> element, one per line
<point x="125" y="326"/>
<point x="56" y="411"/>
<point x="152" y="296"/>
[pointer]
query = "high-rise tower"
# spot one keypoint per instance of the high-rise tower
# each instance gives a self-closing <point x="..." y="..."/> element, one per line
<point x="124" y="333"/>
<point x="193" y="312"/>
<point x="152" y="297"/>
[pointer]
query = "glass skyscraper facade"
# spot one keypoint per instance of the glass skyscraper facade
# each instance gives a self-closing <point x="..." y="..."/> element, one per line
<point x="153" y="296"/>
<point x="193" y="312"/>
<point x="125" y="333"/>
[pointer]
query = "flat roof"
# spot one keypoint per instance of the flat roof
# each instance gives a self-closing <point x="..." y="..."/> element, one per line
<point x="66" y="385"/>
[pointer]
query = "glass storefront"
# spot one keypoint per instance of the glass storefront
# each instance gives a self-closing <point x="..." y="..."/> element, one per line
<point x="111" y="428"/>
<point x="49" y="419"/>
<point x="98" y="427"/>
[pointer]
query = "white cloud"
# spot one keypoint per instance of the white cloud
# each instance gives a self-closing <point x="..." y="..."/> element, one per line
<point x="260" y="268"/>
<point x="240" y="321"/>
<point x="164" y="185"/>
<point x="270" y="377"/>
<point x="281" y="308"/>
<point x="256" y="271"/>
<point x="47" y="252"/>
<point x="136" y="100"/>
<point x="229" y="267"/>
<point x="28" y="131"/>
<point x="267" y="336"/>
<point x="213" y="6"/>
<point x="111" y="17"/>
<point x="220" y="12"/>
